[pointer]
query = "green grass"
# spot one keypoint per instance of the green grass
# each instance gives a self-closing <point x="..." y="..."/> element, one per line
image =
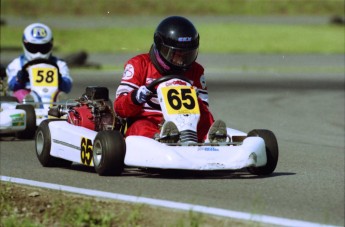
<point x="160" y="7"/>
<point x="56" y="208"/>
<point x="215" y="38"/>
<point x="239" y="38"/>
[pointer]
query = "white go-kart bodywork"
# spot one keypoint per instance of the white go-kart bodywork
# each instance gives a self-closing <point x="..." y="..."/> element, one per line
<point x="75" y="143"/>
<point x="23" y="118"/>
<point x="11" y="119"/>
<point x="110" y="153"/>
<point x="17" y="119"/>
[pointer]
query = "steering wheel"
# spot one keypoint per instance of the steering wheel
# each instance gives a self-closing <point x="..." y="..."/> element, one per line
<point x="152" y="87"/>
<point x="39" y="61"/>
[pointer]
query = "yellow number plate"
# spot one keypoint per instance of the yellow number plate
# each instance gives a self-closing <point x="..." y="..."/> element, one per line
<point x="47" y="77"/>
<point x="180" y="100"/>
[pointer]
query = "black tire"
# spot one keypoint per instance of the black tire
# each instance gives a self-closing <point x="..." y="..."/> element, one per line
<point x="8" y="99"/>
<point x="43" y="146"/>
<point x="31" y="127"/>
<point x="272" y="152"/>
<point x="109" y="149"/>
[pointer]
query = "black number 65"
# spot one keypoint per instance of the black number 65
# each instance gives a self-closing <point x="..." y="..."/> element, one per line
<point x="186" y="99"/>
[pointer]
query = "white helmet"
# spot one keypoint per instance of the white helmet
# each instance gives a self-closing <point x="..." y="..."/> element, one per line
<point x="37" y="41"/>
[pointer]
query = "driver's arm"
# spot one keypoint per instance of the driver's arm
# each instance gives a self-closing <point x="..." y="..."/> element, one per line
<point x="125" y="106"/>
<point x="65" y="81"/>
<point x="126" y="103"/>
<point x="12" y="70"/>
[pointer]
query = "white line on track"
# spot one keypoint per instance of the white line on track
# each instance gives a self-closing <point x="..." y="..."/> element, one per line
<point x="168" y="204"/>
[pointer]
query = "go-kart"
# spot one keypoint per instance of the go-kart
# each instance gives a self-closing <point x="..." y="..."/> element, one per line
<point x="92" y="135"/>
<point x="15" y="118"/>
<point x="44" y="78"/>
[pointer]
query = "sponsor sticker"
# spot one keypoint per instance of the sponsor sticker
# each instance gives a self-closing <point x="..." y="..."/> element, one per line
<point x="207" y="149"/>
<point x="39" y="32"/>
<point x="17" y="119"/>
<point x="184" y="39"/>
<point x="128" y="73"/>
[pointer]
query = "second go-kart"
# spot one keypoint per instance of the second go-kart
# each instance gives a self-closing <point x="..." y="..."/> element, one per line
<point x="92" y="135"/>
<point x="44" y="86"/>
<point x="15" y="118"/>
<point x="18" y="119"/>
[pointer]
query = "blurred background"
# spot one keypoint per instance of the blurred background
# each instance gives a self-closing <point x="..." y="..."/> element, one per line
<point x="240" y="39"/>
<point x="114" y="27"/>
<point x="244" y="43"/>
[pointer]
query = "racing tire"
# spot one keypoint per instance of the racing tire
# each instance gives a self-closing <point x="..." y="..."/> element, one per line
<point x="43" y="146"/>
<point x="272" y="152"/>
<point x="31" y="127"/>
<point x="109" y="149"/>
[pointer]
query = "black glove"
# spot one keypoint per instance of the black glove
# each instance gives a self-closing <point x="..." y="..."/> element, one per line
<point x="3" y="74"/>
<point x="22" y="76"/>
<point x="59" y="79"/>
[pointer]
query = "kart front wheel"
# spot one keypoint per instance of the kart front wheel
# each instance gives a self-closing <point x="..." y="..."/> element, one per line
<point x="109" y="149"/>
<point x="30" y="129"/>
<point x="272" y="152"/>
<point x="43" y="146"/>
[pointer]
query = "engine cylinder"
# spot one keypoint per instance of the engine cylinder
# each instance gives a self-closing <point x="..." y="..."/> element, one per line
<point x="82" y="116"/>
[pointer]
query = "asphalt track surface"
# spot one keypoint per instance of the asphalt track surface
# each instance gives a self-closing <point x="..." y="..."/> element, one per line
<point x="304" y="108"/>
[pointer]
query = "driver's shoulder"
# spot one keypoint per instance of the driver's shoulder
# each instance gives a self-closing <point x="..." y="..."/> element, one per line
<point x="195" y="72"/>
<point x="197" y="66"/>
<point x="140" y="59"/>
<point x="16" y="62"/>
<point x="54" y="59"/>
<point x="58" y="61"/>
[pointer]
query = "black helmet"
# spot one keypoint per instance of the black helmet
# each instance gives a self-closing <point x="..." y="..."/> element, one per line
<point x="176" y="44"/>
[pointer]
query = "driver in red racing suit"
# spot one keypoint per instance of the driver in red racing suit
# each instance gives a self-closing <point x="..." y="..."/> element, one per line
<point x="174" y="51"/>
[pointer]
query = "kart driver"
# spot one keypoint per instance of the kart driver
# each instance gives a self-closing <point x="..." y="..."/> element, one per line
<point x="37" y="44"/>
<point x="174" y="51"/>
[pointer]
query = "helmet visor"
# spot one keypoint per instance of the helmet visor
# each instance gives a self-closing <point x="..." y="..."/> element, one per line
<point x="179" y="57"/>
<point x="35" y="48"/>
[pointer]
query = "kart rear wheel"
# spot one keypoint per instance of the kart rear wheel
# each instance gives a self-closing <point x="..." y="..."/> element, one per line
<point x="43" y="146"/>
<point x="109" y="149"/>
<point x="30" y="129"/>
<point x="272" y="152"/>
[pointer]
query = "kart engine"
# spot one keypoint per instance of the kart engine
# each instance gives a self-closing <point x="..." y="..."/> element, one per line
<point x="93" y="110"/>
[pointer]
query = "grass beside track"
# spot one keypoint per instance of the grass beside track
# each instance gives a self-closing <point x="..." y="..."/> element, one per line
<point x="215" y="38"/>
<point x="29" y="206"/>
<point x="164" y="7"/>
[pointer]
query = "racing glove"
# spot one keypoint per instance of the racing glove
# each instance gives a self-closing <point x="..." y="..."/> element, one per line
<point x="22" y="76"/>
<point x="142" y="94"/>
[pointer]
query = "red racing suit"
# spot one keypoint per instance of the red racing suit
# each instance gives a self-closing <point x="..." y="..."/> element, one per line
<point x="141" y="118"/>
